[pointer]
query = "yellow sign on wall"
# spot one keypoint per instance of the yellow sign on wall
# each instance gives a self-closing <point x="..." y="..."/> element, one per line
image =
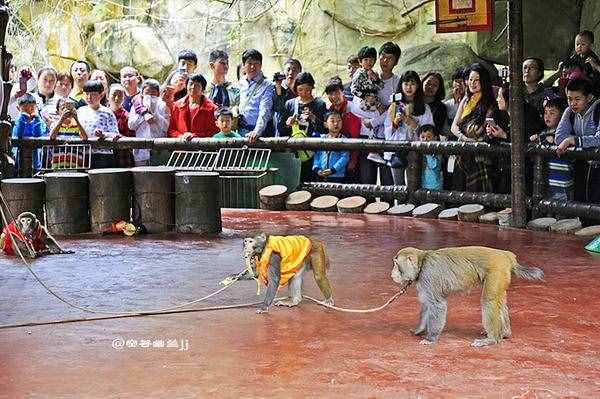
<point x="463" y="15"/>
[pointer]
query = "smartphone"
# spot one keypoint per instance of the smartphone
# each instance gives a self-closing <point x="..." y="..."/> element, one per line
<point x="491" y="122"/>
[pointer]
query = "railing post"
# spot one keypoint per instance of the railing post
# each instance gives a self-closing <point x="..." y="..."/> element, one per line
<point x="540" y="174"/>
<point x="413" y="173"/>
<point x="25" y="157"/>
<point x="517" y="125"/>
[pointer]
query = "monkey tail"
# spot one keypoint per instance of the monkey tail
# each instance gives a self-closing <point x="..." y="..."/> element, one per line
<point x="528" y="272"/>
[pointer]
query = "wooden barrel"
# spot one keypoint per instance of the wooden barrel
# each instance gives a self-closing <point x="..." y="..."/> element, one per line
<point x="470" y="213"/>
<point x="325" y="203"/>
<point x="590" y="231"/>
<point x="566" y="226"/>
<point x="153" y="200"/>
<point x="449" y="214"/>
<point x="67" y="210"/>
<point x="427" y="211"/>
<point x="377" y="207"/>
<point x="354" y="204"/>
<point x="272" y="198"/>
<point x="401" y="210"/>
<point x="197" y="207"/>
<point x="541" y="224"/>
<point x="298" y="201"/>
<point x="489" y="218"/>
<point x="23" y="195"/>
<point x="110" y="197"/>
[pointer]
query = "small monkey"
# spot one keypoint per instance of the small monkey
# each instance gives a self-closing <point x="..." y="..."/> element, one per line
<point x="30" y="236"/>
<point x="277" y="260"/>
<point x="444" y="271"/>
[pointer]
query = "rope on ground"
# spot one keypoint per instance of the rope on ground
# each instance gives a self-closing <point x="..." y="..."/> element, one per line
<point x="389" y="301"/>
<point x="123" y="316"/>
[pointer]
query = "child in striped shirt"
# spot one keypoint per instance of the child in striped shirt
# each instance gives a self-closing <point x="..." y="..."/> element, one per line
<point x="560" y="171"/>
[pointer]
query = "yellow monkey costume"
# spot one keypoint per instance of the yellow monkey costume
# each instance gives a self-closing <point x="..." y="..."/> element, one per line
<point x="292" y="249"/>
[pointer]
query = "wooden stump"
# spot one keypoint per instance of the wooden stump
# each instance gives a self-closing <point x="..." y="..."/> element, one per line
<point x="427" y="211"/>
<point x="354" y="204"/>
<point x="541" y="224"/>
<point x="505" y="217"/>
<point x="449" y="214"/>
<point x="153" y="198"/>
<point x="377" y="207"/>
<point x="489" y="218"/>
<point x="298" y="201"/>
<point x="67" y="210"/>
<point x="470" y="213"/>
<point x="590" y="231"/>
<point x="325" y="203"/>
<point x="197" y="208"/>
<point x="401" y="210"/>
<point x="272" y="198"/>
<point x="566" y="226"/>
<point x="110" y="197"/>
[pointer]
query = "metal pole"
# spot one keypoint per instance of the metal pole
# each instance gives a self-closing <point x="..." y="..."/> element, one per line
<point x="515" y="47"/>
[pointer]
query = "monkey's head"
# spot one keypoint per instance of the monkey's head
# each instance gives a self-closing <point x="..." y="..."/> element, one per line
<point x="407" y="265"/>
<point x="253" y="247"/>
<point x="28" y="224"/>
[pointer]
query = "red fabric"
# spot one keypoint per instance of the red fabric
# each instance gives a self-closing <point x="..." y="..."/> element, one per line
<point x="7" y="247"/>
<point x="351" y="125"/>
<point x="200" y="122"/>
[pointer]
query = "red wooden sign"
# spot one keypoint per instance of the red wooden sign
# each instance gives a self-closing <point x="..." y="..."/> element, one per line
<point x="463" y="15"/>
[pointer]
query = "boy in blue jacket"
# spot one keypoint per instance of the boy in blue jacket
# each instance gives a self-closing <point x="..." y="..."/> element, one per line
<point x="29" y="124"/>
<point x="331" y="165"/>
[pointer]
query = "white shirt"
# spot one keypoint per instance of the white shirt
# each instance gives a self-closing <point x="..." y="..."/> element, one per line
<point x="403" y="132"/>
<point x="102" y="119"/>
<point x="142" y="128"/>
<point x="389" y="87"/>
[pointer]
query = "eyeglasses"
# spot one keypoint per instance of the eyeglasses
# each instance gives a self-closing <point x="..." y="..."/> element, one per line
<point x="530" y="67"/>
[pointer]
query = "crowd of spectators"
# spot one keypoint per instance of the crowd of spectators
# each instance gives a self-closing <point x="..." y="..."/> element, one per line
<point x="373" y="102"/>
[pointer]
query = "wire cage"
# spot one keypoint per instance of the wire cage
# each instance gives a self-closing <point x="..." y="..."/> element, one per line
<point x="66" y="157"/>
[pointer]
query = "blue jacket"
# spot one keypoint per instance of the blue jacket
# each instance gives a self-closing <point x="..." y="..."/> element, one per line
<point x="337" y="160"/>
<point x="583" y="127"/>
<point x="25" y="127"/>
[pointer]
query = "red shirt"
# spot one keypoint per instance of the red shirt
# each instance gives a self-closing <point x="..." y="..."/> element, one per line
<point x="351" y="125"/>
<point x="121" y="114"/>
<point x="7" y="245"/>
<point x="199" y="121"/>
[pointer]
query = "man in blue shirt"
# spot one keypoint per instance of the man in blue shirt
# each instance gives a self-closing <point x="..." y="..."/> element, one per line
<point x="256" y="97"/>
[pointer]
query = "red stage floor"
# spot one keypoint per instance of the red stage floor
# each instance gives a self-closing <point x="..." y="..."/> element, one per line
<point x="306" y="352"/>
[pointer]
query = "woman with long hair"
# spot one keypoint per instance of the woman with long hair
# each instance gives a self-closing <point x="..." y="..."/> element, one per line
<point x="434" y="93"/>
<point x="472" y="173"/>
<point x="407" y="112"/>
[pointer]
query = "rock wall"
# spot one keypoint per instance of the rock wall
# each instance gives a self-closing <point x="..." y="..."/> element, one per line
<point x="321" y="33"/>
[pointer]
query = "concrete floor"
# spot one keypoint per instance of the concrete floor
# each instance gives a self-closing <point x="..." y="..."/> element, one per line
<point x="306" y="352"/>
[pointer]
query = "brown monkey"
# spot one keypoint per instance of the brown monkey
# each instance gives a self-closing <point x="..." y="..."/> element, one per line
<point x="30" y="236"/>
<point x="275" y="260"/>
<point x="444" y="271"/>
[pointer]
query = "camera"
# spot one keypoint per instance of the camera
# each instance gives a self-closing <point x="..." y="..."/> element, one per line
<point x="278" y="77"/>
